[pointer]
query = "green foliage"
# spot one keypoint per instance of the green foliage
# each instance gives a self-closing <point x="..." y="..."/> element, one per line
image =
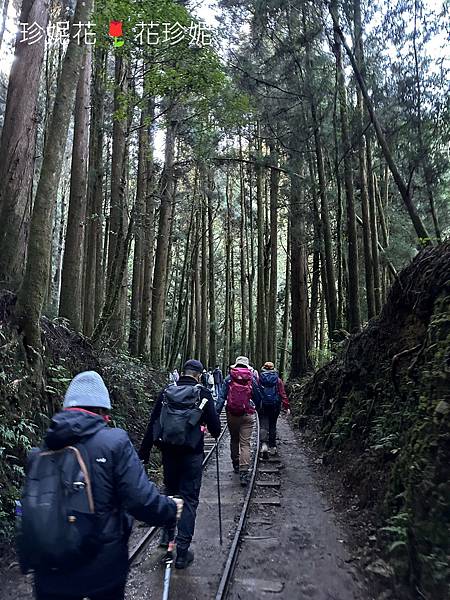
<point x="17" y="437"/>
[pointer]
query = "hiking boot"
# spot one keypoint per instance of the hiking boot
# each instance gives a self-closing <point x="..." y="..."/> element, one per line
<point x="184" y="558"/>
<point x="243" y="478"/>
<point x="273" y="451"/>
<point x="264" y="451"/>
<point x="236" y="466"/>
<point x="166" y="537"/>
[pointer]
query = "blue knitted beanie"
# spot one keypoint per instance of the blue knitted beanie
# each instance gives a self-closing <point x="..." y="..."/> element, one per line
<point x="87" y="389"/>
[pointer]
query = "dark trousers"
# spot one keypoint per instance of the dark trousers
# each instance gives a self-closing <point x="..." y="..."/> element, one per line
<point x="268" y="416"/>
<point x="217" y="387"/>
<point x="183" y="478"/>
<point x="117" y="593"/>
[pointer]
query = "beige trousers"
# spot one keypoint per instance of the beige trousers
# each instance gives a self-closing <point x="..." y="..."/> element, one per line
<point x="240" y="433"/>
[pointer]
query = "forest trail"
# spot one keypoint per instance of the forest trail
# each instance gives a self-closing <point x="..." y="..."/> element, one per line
<point x="303" y="553"/>
<point x="308" y="554"/>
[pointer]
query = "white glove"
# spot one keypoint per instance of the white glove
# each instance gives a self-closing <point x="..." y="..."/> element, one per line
<point x="179" y="502"/>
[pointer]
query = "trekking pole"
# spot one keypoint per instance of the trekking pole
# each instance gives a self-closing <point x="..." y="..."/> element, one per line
<point x="218" y="492"/>
<point x="168" y="571"/>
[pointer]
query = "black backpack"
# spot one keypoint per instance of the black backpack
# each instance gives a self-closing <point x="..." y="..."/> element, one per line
<point x="58" y="525"/>
<point x="181" y="411"/>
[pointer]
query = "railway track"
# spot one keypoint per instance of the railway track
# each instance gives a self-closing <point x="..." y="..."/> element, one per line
<point x="230" y="552"/>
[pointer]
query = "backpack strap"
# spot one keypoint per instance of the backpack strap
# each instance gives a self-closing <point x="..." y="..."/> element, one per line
<point x="83" y="468"/>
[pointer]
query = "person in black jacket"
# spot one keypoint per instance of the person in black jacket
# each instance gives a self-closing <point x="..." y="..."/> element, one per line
<point x="182" y="464"/>
<point x="120" y="489"/>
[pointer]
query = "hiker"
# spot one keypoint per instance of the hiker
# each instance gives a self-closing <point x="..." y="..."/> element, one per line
<point x="210" y="381"/>
<point x="240" y="392"/>
<point x="204" y="378"/>
<point x="273" y="397"/>
<point x="175" y="375"/>
<point x="92" y="473"/>
<point x="218" y="380"/>
<point x="175" y="427"/>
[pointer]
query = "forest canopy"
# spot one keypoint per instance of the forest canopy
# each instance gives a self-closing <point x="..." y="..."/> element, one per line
<point x="251" y="186"/>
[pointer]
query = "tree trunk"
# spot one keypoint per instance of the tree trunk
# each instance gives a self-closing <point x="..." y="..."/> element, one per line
<point x="204" y="354"/>
<point x="17" y="147"/>
<point x="117" y="218"/>
<point x="32" y="293"/>
<point x="286" y="312"/>
<point x="138" y="258"/>
<point x="272" y="308"/>
<point x="72" y="267"/>
<point x="261" y="314"/>
<point x="373" y="229"/>
<point x="212" y="279"/>
<point x="3" y="21"/>
<point x="299" y="284"/>
<point x="198" y="308"/>
<point x="352" y="240"/>
<point x="403" y="188"/>
<point x="326" y="229"/>
<point x="183" y="290"/>
<point x="149" y="241"/>
<point x="314" y="295"/>
<point x="368" y="266"/>
<point x="243" y="250"/>
<point x="93" y="281"/>
<point x="162" y="244"/>
<point x="228" y="266"/>
<point x="250" y="245"/>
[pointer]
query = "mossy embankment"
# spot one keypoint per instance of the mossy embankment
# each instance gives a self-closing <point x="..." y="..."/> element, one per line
<point x="381" y="412"/>
<point x="27" y="401"/>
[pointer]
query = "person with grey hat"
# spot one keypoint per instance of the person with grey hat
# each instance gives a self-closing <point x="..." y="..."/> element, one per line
<point x="118" y="487"/>
<point x="175" y="427"/>
<point x="240" y="393"/>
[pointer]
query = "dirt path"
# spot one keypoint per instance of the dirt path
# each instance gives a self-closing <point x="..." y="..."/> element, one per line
<point x="296" y="549"/>
<point x="293" y="548"/>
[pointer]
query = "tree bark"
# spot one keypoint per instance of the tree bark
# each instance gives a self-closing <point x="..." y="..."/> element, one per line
<point x="286" y="312"/>
<point x="368" y="266"/>
<point x="162" y="244"/>
<point x="139" y="234"/>
<point x="273" y="289"/>
<point x="250" y="245"/>
<point x="243" y="258"/>
<point x="373" y="229"/>
<point x="117" y="218"/>
<point x="326" y="229"/>
<point x="352" y="239"/>
<point x="299" y="285"/>
<point x="32" y="293"/>
<point x="261" y="314"/>
<point x="17" y="148"/>
<point x="72" y="266"/>
<point x="93" y="280"/>
<point x="204" y="353"/>
<point x="212" y="278"/>
<point x="149" y="240"/>
<point x="227" y="320"/>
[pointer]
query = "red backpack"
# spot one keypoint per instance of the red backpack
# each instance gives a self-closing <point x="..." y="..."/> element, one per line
<point x="240" y="392"/>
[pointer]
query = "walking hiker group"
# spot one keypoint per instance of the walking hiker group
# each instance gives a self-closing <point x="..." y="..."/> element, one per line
<point x="86" y="483"/>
